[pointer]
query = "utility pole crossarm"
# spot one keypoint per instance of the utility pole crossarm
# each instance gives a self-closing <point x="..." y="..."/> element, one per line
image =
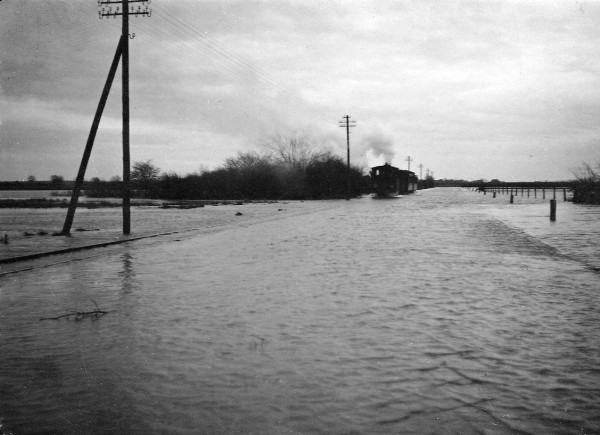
<point x="107" y="12"/>
<point x="109" y="2"/>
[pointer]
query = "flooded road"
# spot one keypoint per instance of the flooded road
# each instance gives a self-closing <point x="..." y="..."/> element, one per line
<point x="441" y="312"/>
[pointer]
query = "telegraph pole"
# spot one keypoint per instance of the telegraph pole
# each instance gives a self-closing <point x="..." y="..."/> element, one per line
<point x="347" y="124"/>
<point x="125" y="13"/>
<point x="408" y="159"/>
<point x="125" y="84"/>
<point x="121" y="53"/>
<point x="420" y="171"/>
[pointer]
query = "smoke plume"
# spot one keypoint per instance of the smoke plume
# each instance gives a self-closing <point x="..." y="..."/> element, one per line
<point x="380" y="144"/>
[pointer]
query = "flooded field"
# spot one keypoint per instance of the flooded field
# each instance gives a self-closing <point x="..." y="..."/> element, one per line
<point x="442" y="312"/>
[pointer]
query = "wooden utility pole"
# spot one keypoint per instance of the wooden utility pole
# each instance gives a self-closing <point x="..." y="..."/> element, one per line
<point x="121" y="53"/>
<point x="420" y="171"/>
<point x="125" y="13"/>
<point x="125" y="96"/>
<point x="408" y="159"/>
<point x="346" y="123"/>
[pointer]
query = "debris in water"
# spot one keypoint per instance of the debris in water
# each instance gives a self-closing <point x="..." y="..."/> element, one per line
<point x="79" y="314"/>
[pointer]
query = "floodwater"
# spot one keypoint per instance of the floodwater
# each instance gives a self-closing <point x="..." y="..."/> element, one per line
<point x="442" y="312"/>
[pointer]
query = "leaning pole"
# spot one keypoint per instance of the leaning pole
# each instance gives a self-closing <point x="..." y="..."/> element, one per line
<point x="90" y="141"/>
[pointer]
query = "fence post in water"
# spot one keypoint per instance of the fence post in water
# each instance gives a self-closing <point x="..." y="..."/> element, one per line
<point x="553" y="210"/>
<point x="512" y="198"/>
<point x="565" y="194"/>
<point x="554" y="193"/>
<point x="528" y="192"/>
<point x="544" y="193"/>
<point x="494" y="194"/>
<point x="535" y="192"/>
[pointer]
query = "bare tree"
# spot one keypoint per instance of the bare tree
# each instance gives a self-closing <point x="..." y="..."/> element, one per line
<point x="294" y="151"/>
<point x="249" y="160"/>
<point x="144" y="172"/>
<point x="587" y="173"/>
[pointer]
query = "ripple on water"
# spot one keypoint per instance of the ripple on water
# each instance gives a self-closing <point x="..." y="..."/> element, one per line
<point x="414" y="316"/>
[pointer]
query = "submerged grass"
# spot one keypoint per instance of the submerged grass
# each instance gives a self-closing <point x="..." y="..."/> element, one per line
<point x="63" y="203"/>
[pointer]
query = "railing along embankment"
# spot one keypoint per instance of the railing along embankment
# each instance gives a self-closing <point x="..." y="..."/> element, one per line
<point x="528" y="189"/>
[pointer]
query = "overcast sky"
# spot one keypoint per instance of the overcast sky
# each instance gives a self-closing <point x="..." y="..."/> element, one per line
<point x="468" y="89"/>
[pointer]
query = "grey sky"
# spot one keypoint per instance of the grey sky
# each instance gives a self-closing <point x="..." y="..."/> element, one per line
<point x="470" y="89"/>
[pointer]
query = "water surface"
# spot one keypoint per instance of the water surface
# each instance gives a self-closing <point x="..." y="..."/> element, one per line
<point x="441" y="312"/>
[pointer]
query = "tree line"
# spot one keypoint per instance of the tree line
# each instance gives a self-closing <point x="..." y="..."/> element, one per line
<point x="291" y="168"/>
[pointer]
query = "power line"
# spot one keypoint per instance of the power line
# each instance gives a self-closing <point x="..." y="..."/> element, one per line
<point x="232" y="64"/>
<point x="230" y="57"/>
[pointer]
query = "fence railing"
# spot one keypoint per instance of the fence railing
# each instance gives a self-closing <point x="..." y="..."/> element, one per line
<point x="528" y="190"/>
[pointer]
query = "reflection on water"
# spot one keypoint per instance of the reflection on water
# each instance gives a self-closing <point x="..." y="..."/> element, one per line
<point x="128" y="273"/>
<point x="427" y="314"/>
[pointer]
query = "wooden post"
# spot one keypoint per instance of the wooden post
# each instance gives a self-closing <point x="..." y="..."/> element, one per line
<point x="90" y="141"/>
<point x="535" y="192"/>
<point x="125" y="98"/>
<point x="544" y="193"/>
<point x="347" y="124"/>
<point x="553" y="210"/>
<point x="512" y="198"/>
<point x="528" y="192"/>
<point x="565" y="194"/>
<point x="494" y="194"/>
